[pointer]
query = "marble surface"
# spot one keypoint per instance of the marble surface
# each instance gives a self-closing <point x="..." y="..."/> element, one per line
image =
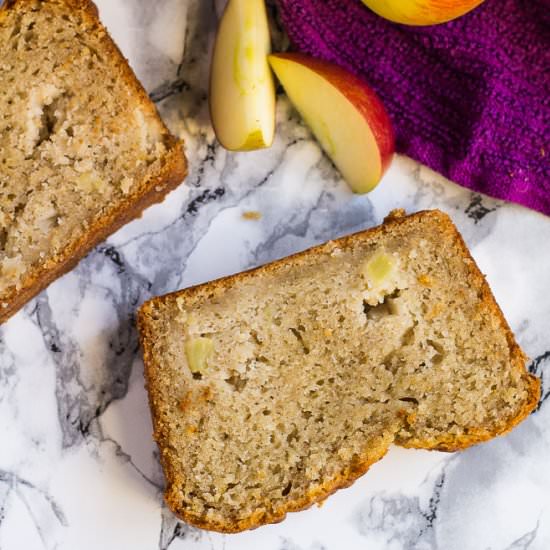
<point x="78" y="467"/>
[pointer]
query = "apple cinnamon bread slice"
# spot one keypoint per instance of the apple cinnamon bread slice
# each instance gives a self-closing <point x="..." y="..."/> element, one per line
<point x="82" y="148"/>
<point x="273" y="388"/>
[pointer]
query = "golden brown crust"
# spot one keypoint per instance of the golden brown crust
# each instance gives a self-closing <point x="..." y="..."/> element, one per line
<point x="172" y="173"/>
<point x="457" y="443"/>
<point x="86" y="5"/>
<point x="446" y="443"/>
<point x="345" y="479"/>
<point x="224" y="283"/>
<point x="477" y="280"/>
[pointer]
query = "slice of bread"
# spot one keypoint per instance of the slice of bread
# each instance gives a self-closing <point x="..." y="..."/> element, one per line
<point x="273" y="388"/>
<point x="82" y="148"/>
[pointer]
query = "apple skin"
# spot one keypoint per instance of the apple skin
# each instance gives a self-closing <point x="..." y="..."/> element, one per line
<point x="361" y="96"/>
<point x="421" y="12"/>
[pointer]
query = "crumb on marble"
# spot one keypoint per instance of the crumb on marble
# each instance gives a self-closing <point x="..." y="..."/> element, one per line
<point x="252" y="215"/>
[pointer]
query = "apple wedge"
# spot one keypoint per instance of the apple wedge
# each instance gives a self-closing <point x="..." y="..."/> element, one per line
<point x="343" y="112"/>
<point x="242" y="91"/>
<point x="421" y="12"/>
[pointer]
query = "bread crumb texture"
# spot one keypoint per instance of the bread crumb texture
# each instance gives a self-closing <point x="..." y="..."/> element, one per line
<point x="79" y="139"/>
<point x="306" y="370"/>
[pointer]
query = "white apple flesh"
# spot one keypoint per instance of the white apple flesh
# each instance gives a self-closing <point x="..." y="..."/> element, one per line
<point x="242" y="91"/>
<point x="343" y="112"/>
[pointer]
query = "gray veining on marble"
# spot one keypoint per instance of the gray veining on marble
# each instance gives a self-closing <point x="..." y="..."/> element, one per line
<point x="78" y="467"/>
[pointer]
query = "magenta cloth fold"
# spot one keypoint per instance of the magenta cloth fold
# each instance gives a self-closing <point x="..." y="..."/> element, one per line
<point x="469" y="98"/>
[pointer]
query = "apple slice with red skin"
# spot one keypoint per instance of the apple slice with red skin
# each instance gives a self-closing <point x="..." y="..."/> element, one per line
<point x="343" y="112"/>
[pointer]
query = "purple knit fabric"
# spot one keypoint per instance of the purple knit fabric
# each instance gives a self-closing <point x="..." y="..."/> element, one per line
<point x="469" y="98"/>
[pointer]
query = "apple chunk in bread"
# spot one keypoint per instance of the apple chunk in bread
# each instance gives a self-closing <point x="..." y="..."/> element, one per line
<point x="344" y="113"/>
<point x="242" y="91"/>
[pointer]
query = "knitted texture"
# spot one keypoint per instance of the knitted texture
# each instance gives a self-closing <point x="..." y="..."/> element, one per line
<point x="469" y="98"/>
